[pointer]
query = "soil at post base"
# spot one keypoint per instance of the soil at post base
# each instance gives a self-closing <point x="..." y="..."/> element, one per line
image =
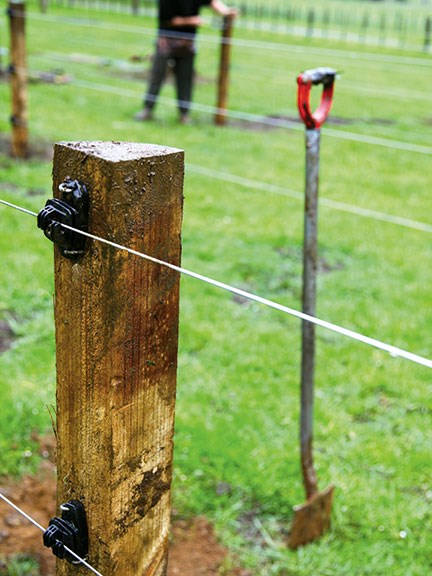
<point x="194" y="549"/>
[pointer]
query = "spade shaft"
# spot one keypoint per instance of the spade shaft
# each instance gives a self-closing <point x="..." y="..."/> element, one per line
<point x="310" y="271"/>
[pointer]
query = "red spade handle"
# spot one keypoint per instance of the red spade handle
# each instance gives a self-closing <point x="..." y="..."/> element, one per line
<point x="305" y="81"/>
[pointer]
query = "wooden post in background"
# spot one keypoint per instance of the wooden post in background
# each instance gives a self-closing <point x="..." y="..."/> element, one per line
<point x="116" y="318"/>
<point x="18" y="71"/>
<point x="310" y="22"/>
<point x="2" y="53"/>
<point x="428" y="31"/>
<point x="223" y="81"/>
<point x="135" y="5"/>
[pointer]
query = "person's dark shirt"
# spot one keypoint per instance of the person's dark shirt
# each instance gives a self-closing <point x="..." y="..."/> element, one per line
<point x="169" y="9"/>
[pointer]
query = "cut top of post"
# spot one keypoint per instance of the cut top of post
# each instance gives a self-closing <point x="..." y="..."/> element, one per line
<point x="120" y="151"/>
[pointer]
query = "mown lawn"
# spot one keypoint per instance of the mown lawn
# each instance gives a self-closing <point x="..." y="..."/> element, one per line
<point x="236" y="454"/>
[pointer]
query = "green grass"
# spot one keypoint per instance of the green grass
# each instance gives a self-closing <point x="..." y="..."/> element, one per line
<point x="19" y="566"/>
<point x="389" y="23"/>
<point x="236" y="456"/>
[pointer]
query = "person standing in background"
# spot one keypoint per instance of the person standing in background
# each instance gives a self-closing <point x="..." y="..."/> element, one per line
<point x="178" y="24"/>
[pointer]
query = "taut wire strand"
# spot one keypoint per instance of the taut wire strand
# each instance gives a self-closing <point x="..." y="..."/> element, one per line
<point x="392" y="350"/>
<point x="267" y="121"/>
<point x="15" y="507"/>
<point x="37" y="525"/>
<point x="20" y="208"/>
<point x="347" y="54"/>
<point x="246" y="71"/>
<point x="283" y="191"/>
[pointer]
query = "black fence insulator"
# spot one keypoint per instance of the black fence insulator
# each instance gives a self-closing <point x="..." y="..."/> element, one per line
<point x="70" y="531"/>
<point x="15" y="121"/>
<point x="70" y="210"/>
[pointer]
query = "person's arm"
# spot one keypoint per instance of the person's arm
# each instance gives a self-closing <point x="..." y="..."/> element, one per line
<point x="222" y="9"/>
<point x="168" y="16"/>
<point x="217" y="5"/>
<point x="186" y="21"/>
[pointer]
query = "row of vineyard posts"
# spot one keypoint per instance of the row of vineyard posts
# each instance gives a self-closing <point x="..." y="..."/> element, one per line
<point x="18" y="74"/>
<point x="316" y="21"/>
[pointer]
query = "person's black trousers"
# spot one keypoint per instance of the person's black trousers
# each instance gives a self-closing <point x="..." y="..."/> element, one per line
<point x="183" y="72"/>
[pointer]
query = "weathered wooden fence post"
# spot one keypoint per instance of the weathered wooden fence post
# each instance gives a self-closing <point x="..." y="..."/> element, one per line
<point x="2" y="52"/>
<point x="135" y="6"/>
<point x="116" y="318"/>
<point x="364" y="27"/>
<point x="18" y="71"/>
<point x="428" y="31"/>
<point x="383" y="27"/>
<point x="310" y="22"/>
<point x="224" y="64"/>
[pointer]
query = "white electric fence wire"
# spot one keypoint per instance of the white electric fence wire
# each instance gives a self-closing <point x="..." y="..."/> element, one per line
<point x="26" y="516"/>
<point x="278" y="47"/>
<point x="37" y="525"/>
<point x="245" y="72"/>
<point x="394" y="93"/>
<point x="276" y="122"/>
<point x="392" y="350"/>
<point x="285" y="123"/>
<point x="282" y="191"/>
<point x="345" y="135"/>
<point x="264" y="120"/>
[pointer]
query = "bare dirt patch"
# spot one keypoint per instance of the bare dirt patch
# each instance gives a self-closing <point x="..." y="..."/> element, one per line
<point x="194" y="551"/>
<point x="37" y="150"/>
<point x="7" y="336"/>
<point x="36" y="496"/>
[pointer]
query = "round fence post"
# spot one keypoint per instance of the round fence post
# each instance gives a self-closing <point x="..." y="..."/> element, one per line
<point x="18" y="79"/>
<point x="116" y="318"/>
<point x="428" y="31"/>
<point x="223" y="81"/>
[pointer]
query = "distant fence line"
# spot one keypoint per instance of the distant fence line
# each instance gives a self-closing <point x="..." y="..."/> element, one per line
<point x="399" y="27"/>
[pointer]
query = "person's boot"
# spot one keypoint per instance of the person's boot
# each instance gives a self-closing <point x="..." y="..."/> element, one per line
<point x="184" y="118"/>
<point x="143" y="115"/>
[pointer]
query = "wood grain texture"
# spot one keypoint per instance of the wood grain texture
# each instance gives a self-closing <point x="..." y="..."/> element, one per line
<point x="18" y="79"/>
<point x="224" y="65"/>
<point x="116" y="321"/>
